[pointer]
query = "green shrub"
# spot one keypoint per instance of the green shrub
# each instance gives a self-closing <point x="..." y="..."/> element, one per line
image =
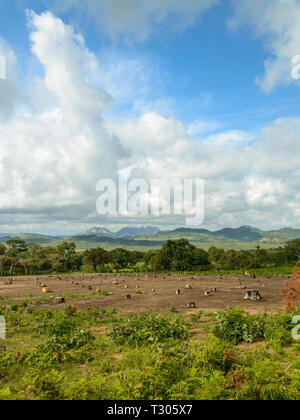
<point x="214" y="354"/>
<point x="7" y="395"/>
<point x="148" y="328"/>
<point x="63" y="333"/>
<point x="47" y="386"/>
<point x="265" y="380"/>
<point x="236" y="326"/>
<point x="196" y="317"/>
<point x="278" y="330"/>
<point x="14" y="307"/>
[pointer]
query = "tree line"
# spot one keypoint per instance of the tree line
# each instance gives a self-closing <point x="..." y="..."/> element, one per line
<point x="20" y="258"/>
<point x="181" y="255"/>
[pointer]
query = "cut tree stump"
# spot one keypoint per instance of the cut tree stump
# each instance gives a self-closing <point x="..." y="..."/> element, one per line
<point x="59" y="300"/>
<point x="253" y="295"/>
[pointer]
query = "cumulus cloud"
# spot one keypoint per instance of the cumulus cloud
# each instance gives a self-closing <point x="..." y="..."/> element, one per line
<point x="67" y="63"/>
<point x="9" y="90"/>
<point x="249" y="177"/>
<point x="278" y="156"/>
<point x="52" y="160"/>
<point x="138" y="19"/>
<point x="276" y="22"/>
<point x="165" y="147"/>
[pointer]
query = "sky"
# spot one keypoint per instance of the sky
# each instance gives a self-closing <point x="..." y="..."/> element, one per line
<point x="193" y="89"/>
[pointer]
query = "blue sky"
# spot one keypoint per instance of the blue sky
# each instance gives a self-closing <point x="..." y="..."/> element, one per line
<point x="213" y="77"/>
<point x="207" y="70"/>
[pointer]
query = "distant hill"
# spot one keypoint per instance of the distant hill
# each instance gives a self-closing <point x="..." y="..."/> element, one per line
<point x="242" y="234"/>
<point x="137" y="231"/>
<point x="32" y="237"/>
<point x="126" y="232"/>
<point x="100" y="231"/>
<point x="149" y="237"/>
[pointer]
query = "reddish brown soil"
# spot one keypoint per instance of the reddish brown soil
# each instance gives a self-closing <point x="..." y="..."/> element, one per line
<point x="162" y="299"/>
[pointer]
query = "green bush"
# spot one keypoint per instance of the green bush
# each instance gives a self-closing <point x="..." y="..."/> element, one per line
<point x="266" y="380"/>
<point x="52" y="355"/>
<point x="14" y="307"/>
<point x="278" y="330"/>
<point x="214" y="354"/>
<point x="47" y="386"/>
<point x="148" y="328"/>
<point x="236" y="326"/>
<point x="63" y="333"/>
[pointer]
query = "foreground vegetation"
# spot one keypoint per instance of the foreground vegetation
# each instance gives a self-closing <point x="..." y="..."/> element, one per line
<point x="100" y="354"/>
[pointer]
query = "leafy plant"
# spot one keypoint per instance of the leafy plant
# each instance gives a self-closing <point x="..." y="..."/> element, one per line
<point x="148" y="328"/>
<point x="236" y="326"/>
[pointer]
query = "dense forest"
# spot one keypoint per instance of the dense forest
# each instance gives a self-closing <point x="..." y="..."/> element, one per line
<point x="21" y="258"/>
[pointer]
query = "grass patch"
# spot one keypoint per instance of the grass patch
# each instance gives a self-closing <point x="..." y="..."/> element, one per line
<point x="105" y="355"/>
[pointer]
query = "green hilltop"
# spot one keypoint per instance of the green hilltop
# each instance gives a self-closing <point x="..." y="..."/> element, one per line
<point x="244" y="237"/>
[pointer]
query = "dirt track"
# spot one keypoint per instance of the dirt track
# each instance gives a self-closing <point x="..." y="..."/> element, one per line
<point x="162" y="299"/>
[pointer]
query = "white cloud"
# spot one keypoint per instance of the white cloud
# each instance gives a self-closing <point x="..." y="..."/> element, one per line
<point x="263" y="193"/>
<point x="167" y="148"/>
<point x="251" y="178"/>
<point x="68" y="65"/>
<point x="200" y="127"/>
<point x="51" y="160"/>
<point x="137" y="19"/>
<point x="278" y="155"/>
<point x="233" y="138"/>
<point x="276" y="22"/>
<point x="9" y="91"/>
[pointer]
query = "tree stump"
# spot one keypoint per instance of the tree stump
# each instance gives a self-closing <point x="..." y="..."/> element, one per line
<point x="253" y="295"/>
<point x="59" y="300"/>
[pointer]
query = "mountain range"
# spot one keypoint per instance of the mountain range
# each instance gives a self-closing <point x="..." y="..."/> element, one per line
<point x="243" y="233"/>
<point x="126" y="232"/>
<point x="147" y="237"/>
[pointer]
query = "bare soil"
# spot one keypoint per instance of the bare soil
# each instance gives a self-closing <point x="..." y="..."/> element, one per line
<point x="158" y="292"/>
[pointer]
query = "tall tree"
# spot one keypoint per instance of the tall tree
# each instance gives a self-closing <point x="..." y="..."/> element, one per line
<point x="96" y="257"/>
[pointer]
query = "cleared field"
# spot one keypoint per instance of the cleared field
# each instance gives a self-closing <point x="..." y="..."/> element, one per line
<point x="147" y="292"/>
